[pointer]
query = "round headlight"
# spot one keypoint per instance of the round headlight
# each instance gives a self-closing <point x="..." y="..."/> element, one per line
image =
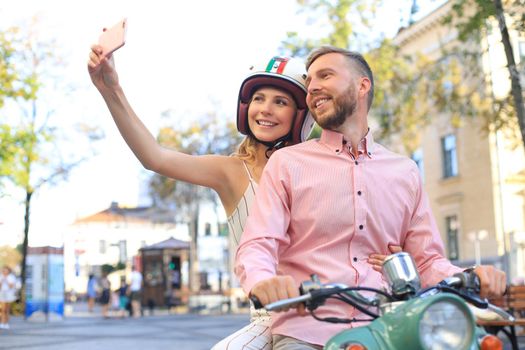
<point x="445" y="326"/>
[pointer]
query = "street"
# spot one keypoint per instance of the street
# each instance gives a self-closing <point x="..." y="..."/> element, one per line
<point x="89" y="331"/>
<point x="92" y="332"/>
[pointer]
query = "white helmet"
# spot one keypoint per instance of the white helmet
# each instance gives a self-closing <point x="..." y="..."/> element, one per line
<point x="284" y="73"/>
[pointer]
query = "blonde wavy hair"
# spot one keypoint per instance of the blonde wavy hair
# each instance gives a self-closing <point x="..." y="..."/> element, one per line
<point x="246" y="149"/>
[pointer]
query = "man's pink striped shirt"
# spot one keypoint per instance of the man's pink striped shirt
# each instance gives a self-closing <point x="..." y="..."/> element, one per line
<point x="320" y="210"/>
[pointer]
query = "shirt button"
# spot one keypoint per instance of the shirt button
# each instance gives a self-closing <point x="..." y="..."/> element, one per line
<point x="361" y="227"/>
<point x="355" y="259"/>
<point x="358" y="193"/>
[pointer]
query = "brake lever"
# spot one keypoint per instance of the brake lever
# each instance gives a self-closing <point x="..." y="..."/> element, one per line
<point x="467" y="285"/>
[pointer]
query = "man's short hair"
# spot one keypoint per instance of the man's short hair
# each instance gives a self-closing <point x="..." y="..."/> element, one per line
<point x="356" y="60"/>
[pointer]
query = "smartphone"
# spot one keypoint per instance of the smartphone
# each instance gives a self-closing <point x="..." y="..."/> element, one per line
<point x="113" y="38"/>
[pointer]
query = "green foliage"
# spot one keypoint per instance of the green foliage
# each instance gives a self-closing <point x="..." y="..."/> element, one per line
<point x="297" y="47"/>
<point x="475" y="17"/>
<point x="119" y="266"/>
<point x="14" y="83"/>
<point x="7" y="150"/>
<point x="470" y="16"/>
<point x="339" y="16"/>
<point x="411" y="89"/>
<point x="107" y="268"/>
<point x="27" y="136"/>
<point x="209" y="135"/>
<point x="29" y="151"/>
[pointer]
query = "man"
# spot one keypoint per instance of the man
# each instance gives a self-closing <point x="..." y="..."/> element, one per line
<point x="325" y="205"/>
<point x="135" y="287"/>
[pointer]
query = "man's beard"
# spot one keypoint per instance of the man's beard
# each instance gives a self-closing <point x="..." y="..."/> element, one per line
<point x="344" y="106"/>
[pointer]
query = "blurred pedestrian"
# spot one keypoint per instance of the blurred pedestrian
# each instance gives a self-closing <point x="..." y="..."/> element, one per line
<point x="105" y="295"/>
<point x="7" y="295"/>
<point x="135" y="287"/>
<point x="91" y="292"/>
<point x="123" y="296"/>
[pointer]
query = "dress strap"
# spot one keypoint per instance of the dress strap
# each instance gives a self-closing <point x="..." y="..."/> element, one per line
<point x="247" y="170"/>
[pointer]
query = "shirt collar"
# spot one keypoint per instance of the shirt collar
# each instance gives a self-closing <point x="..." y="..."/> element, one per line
<point x="336" y="142"/>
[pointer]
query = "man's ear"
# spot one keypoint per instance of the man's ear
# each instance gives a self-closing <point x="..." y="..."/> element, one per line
<point x="364" y="86"/>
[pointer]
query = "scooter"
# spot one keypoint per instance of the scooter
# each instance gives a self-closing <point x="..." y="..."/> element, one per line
<point x="406" y="316"/>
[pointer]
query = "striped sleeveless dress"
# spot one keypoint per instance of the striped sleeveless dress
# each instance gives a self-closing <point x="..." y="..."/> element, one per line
<point x="256" y="335"/>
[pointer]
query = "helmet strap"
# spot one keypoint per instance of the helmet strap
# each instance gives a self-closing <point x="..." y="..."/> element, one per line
<point x="275" y="147"/>
<point x="275" y="144"/>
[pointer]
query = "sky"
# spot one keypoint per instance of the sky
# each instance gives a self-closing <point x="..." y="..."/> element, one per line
<point x="187" y="56"/>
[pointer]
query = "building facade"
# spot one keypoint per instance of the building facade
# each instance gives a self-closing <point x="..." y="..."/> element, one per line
<point x="475" y="180"/>
<point x="114" y="236"/>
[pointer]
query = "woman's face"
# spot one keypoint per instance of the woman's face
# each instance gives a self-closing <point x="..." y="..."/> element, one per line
<point x="5" y="271"/>
<point x="271" y="113"/>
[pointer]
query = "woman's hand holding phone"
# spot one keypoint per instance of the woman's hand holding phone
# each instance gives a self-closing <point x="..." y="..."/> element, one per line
<point x="101" y="64"/>
<point x="102" y="69"/>
<point x="113" y="38"/>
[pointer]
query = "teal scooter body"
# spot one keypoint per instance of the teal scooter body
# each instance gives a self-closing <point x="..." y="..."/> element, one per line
<point x="405" y="317"/>
<point x="409" y="326"/>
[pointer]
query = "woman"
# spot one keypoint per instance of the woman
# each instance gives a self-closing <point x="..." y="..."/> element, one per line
<point x="91" y="291"/>
<point x="271" y="113"/>
<point x="7" y="295"/>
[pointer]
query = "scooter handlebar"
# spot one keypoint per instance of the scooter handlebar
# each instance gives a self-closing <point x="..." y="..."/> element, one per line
<point x="470" y="281"/>
<point x="305" y="296"/>
<point x="280" y="303"/>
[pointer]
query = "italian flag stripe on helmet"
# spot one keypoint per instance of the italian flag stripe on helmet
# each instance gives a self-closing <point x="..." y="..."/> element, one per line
<point x="276" y="65"/>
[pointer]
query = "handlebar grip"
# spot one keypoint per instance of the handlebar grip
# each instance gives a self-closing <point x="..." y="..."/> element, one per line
<point x="256" y="302"/>
<point x="467" y="280"/>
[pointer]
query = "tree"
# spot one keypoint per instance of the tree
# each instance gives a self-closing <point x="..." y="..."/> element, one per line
<point x="14" y="85"/>
<point x="208" y="135"/>
<point x="399" y="80"/>
<point x="36" y="160"/>
<point x="339" y="17"/>
<point x="410" y="89"/>
<point x="474" y="16"/>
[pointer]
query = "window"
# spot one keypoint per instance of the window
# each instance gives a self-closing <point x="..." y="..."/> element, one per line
<point x="417" y="157"/>
<point x="123" y="251"/>
<point x="448" y="64"/>
<point x="450" y="163"/>
<point x="521" y="49"/>
<point x="452" y="225"/>
<point x="207" y="229"/>
<point x="102" y="246"/>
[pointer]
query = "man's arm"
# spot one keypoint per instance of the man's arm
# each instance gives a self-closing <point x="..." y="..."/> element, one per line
<point x="424" y="243"/>
<point x="265" y="234"/>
